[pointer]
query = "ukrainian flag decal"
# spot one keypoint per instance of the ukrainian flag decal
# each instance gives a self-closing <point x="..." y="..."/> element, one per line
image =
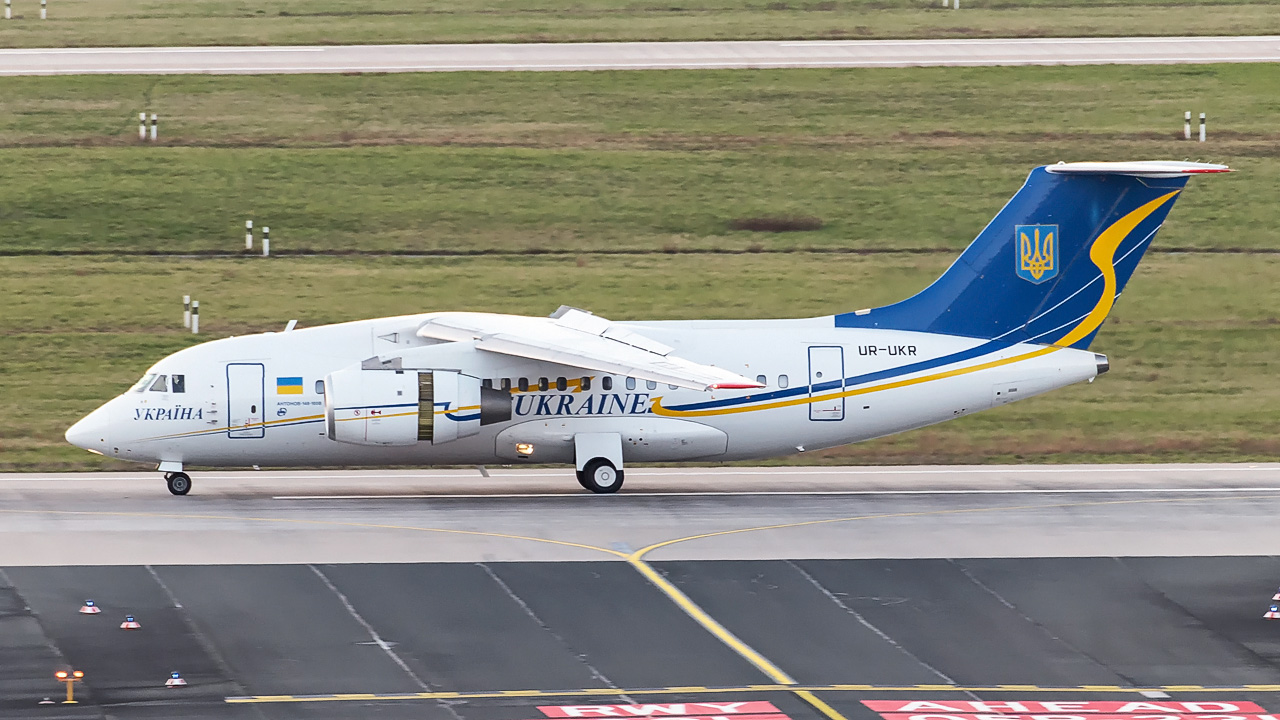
<point x="288" y="386"/>
<point x="1037" y="252"/>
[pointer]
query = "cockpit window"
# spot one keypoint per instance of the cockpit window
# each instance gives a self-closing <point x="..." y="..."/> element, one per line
<point x="144" y="383"/>
<point x="179" y="383"/>
<point x="161" y="384"/>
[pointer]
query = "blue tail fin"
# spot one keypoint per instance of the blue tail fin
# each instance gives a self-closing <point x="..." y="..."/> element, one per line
<point x="1050" y="265"/>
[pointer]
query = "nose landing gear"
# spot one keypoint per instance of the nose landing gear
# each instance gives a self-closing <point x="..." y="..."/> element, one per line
<point x="179" y="482"/>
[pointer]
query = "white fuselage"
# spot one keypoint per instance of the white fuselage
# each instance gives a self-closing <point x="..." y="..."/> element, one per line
<point x="259" y="399"/>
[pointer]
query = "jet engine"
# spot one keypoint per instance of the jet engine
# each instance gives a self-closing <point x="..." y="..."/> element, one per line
<point x="403" y="407"/>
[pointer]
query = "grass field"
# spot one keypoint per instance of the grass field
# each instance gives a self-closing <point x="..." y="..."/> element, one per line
<point x="652" y="163"/>
<point x="230" y="22"/>
<point x="1194" y="343"/>
<point x="636" y="161"/>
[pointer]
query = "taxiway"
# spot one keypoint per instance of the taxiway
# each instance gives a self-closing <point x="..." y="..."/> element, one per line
<point x="639" y="55"/>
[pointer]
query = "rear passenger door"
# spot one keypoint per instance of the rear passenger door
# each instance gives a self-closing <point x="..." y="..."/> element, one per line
<point x="826" y="378"/>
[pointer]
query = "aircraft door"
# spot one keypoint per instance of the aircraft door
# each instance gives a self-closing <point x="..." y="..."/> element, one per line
<point x="826" y="378"/>
<point x="246" y="400"/>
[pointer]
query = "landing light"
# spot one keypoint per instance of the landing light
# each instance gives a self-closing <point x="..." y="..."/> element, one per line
<point x="524" y="448"/>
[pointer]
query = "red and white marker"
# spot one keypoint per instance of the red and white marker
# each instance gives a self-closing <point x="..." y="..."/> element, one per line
<point x="1273" y="613"/>
<point x="88" y="608"/>
<point x="175" y="680"/>
<point x="130" y="624"/>
<point x="1276" y="596"/>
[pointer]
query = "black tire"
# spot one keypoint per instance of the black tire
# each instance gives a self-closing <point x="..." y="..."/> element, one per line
<point x="179" y="483"/>
<point x="582" y="479"/>
<point x="601" y="477"/>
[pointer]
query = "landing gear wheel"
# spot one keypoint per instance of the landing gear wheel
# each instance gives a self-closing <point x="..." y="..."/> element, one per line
<point x="600" y="476"/>
<point x="582" y="479"/>
<point x="179" y="483"/>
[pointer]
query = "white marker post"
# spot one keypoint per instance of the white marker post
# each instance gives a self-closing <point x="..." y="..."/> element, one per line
<point x="186" y="311"/>
<point x="195" y="317"/>
<point x="44" y="11"/>
<point x="154" y="122"/>
<point x="1186" y="126"/>
<point x="956" y="6"/>
<point x="248" y="234"/>
<point x="8" y="9"/>
<point x="1201" y="127"/>
<point x="266" y="241"/>
<point x="142" y="127"/>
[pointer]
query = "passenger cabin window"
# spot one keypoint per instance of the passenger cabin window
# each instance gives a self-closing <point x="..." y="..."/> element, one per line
<point x="673" y="387"/>
<point x="506" y="384"/>
<point x="319" y="387"/>
<point x="562" y="383"/>
<point x="651" y="384"/>
<point x="486" y="384"/>
<point x="544" y="384"/>
<point x="179" y="383"/>
<point x="783" y="381"/>
<point x="586" y="384"/>
<point x="161" y="384"/>
<point x="606" y="382"/>
<point x="762" y="380"/>
<point x="631" y="383"/>
<point x="523" y="385"/>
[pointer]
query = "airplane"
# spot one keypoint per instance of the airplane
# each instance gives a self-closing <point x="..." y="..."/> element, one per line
<point x="1012" y="317"/>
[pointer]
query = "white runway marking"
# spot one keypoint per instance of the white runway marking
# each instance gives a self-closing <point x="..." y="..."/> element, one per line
<point x="763" y="493"/>
<point x="498" y="473"/>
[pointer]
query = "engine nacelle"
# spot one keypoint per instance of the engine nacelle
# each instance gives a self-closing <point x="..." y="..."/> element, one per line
<point x="405" y="407"/>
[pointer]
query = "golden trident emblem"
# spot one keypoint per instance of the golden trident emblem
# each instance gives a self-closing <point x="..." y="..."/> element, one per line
<point x="1036" y="252"/>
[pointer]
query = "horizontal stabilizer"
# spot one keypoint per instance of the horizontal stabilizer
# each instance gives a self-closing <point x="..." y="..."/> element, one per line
<point x="1138" y="168"/>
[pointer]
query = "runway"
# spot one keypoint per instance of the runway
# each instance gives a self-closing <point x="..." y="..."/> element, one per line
<point x="542" y="515"/>
<point x="701" y="594"/>
<point x="640" y="55"/>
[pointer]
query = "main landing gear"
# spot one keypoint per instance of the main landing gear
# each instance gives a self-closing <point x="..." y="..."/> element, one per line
<point x="599" y="461"/>
<point x="179" y="482"/>
<point x="600" y="476"/>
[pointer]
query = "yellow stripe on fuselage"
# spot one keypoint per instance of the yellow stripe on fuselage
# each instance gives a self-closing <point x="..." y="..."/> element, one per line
<point x="1102" y="253"/>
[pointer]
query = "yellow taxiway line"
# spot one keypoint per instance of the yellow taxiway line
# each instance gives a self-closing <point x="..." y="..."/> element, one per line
<point x="739" y="689"/>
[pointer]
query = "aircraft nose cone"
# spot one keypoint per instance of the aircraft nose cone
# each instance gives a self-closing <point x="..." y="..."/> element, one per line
<point x="92" y="431"/>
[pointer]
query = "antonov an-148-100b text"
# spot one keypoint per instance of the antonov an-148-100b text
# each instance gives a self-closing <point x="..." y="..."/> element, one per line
<point x="1013" y="317"/>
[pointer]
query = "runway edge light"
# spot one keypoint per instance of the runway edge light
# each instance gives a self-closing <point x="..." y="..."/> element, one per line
<point x="89" y="608"/>
<point x="175" y="680"/>
<point x="130" y="623"/>
<point x="1273" y="613"/>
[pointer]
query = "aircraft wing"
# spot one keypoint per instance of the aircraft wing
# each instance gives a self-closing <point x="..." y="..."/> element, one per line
<point x="579" y="339"/>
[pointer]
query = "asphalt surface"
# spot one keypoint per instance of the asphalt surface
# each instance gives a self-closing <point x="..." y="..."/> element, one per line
<point x="322" y="595"/>
<point x="639" y="55"/>
<point x="267" y="637"/>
